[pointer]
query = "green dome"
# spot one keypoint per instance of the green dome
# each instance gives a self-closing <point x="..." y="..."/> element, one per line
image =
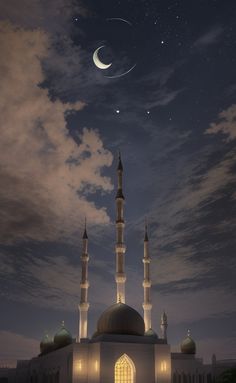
<point x="120" y="319"/>
<point x="188" y="346"/>
<point x="46" y="344"/>
<point x="63" y="337"/>
<point x="151" y="332"/>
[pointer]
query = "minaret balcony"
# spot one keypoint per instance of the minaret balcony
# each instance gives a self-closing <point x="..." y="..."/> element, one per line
<point x="120" y="248"/>
<point x="146" y="260"/>
<point x="84" y="285"/>
<point x="147" y="306"/>
<point x="120" y="223"/>
<point x="84" y="306"/>
<point x="84" y="257"/>
<point x="147" y="283"/>
<point x="120" y="278"/>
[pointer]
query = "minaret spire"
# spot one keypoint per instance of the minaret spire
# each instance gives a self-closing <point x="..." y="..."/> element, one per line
<point x="147" y="304"/>
<point x="120" y="247"/>
<point x="84" y="285"/>
<point x="164" y="325"/>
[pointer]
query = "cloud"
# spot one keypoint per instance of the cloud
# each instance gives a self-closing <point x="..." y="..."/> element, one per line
<point x="44" y="172"/>
<point x="15" y="346"/>
<point x="191" y="214"/>
<point x="176" y="268"/>
<point x="226" y="124"/>
<point x="209" y="38"/>
<point x="162" y="97"/>
<point x="52" y="16"/>
<point x="194" y="305"/>
<point x="53" y="281"/>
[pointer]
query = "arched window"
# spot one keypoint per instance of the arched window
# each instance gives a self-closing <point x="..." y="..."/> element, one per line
<point x="124" y="370"/>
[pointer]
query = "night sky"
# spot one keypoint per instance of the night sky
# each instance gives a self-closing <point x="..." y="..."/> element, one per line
<point x="63" y="121"/>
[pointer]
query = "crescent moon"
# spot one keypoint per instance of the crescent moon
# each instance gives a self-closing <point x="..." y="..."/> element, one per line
<point x="99" y="64"/>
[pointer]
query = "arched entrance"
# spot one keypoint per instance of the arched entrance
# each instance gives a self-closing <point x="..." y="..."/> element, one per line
<point x="124" y="370"/>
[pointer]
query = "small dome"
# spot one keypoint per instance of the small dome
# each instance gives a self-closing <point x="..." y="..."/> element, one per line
<point x="63" y="337"/>
<point x="188" y="346"/>
<point x="120" y="319"/>
<point x="152" y="333"/>
<point x="46" y="344"/>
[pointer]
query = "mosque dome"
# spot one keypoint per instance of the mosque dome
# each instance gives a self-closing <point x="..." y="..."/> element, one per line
<point x="120" y="319"/>
<point x="151" y="333"/>
<point x="63" y="337"/>
<point x="188" y="346"/>
<point x="46" y="344"/>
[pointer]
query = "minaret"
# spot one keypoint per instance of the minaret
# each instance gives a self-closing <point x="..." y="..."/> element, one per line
<point x="84" y="285"/>
<point x="120" y="247"/>
<point x="164" y="325"/>
<point x="147" y="305"/>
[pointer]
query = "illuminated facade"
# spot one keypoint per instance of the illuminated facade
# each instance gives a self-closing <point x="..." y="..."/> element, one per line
<point x="124" y="348"/>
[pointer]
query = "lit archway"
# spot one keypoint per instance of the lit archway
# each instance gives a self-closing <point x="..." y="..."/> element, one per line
<point x="124" y="370"/>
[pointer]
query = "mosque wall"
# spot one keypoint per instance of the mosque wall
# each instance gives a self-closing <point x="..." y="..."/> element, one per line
<point x="189" y="369"/>
<point x="162" y="363"/>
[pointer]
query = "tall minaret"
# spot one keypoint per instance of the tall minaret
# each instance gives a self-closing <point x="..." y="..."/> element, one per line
<point x="84" y="285"/>
<point x="120" y="246"/>
<point x="147" y="305"/>
<point x="164" y="325"/>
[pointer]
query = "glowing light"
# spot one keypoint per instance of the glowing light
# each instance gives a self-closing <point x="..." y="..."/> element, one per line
<point x="163" y="366"/>
<point x="124" y="370"/>
<point x="117" y="111"/>
<point x="96" y="366"/>
<point x="78" y="365"/>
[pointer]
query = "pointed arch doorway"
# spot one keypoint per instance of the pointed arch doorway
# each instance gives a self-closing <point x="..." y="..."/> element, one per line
<point x="125" y="370"/>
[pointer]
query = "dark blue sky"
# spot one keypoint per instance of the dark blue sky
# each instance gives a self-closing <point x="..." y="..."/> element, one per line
<point x="62" y="123"/>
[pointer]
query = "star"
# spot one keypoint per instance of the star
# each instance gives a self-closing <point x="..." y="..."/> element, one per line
<point x="76" y="19"/>
<point x="148" y="111"/>
<point x="117" y="111"/>
<point x="162" y="41"/>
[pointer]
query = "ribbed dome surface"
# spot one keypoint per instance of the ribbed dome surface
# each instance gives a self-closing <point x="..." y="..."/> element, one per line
<point x="63" y="337"/>
<point x="188" y="346"/>
<point x="46" y="344"/>
<point x="120" y="319"/>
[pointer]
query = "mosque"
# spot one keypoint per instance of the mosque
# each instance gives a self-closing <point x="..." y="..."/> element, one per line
<point x="124" y="347"/>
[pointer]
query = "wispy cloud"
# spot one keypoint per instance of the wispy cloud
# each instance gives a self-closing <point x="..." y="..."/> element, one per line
<point x="192" y="218"/>
<point x="209" y="38"/>
<point x="53" y="282"/>
<point x="226" y="124"/>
